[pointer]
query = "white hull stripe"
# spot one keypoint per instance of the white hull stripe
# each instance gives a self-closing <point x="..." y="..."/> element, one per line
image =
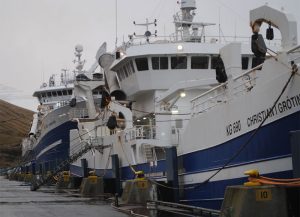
<point x="58" y="142"/>
<point x="265" y="167"/>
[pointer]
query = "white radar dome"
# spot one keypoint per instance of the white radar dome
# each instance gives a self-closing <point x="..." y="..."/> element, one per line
<point x="78" y="48"/>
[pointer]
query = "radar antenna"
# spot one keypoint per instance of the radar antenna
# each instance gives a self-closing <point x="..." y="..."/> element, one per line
<point x="147" y="33"/>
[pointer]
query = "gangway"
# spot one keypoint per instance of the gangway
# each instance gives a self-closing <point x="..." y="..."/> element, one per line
<point x="75" y="156"/>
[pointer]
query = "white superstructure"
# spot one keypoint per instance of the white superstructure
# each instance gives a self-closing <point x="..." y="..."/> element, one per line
<point x="203" y="97"/>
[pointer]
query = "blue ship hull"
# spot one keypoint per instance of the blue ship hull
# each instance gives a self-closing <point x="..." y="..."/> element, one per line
<point x="53" y="148"/>
<point x="270" y="143"/>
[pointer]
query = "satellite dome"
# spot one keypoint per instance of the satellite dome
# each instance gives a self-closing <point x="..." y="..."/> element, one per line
<point x="78" y="48"/>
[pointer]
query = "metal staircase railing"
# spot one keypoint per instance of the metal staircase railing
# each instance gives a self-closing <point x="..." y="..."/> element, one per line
<point x="75" y="156"/>
<point x="148" y="153"/>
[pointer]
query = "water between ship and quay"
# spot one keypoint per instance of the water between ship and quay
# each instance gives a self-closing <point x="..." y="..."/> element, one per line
<point x="16" y="200"/>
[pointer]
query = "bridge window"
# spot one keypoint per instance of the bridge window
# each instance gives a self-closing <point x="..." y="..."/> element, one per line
<point x="125" y="71"/>
<point x="49" y="94"/>
<point x="163" y="61"/>
<point x="178" y="62"/>
<point x="59" y="93"/>
<point x="199" y="62"/>
<point x="142" y="64"/>
<point x="129" y="69"/>
<point x="65" y="92"/>
<point x="155" y="63"/>
<point x="122" y="74"/>
<point x="70" y="92"/>
<point x="54" y="93"/>
<point x="245" y="62"/>
<point x="159" y="63"/>
<point x="214" y="62"/>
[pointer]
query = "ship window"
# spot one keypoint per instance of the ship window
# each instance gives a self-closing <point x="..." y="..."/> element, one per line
<point x="155" y="63"/>
<point x="142" y="64"/>
<point x="122" y="74"/>
<point x="69" y="92"/>
<point x="49" y="94"/>
<point x="59" y="93"/>
<point x="132" y="67"/>
<point x="178" y="62"/>
<point x="125" y="71"/>
<point x="163" y="62"/>
<point x="54" y="93"/>
<point x="43" y="95"/>
<point x="128" y="68"/>
<point x="199" y="62"/>
<point x="214" y="62"/>
<point x="245" y="61"/>
<point x="65" y="92"/>
<point x="159" y="63"/>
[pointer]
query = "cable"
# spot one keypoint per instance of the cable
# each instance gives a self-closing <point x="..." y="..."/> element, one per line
<point x="253" y="134"/>
<point x="294" y="71"/>
<point x="277" y="182"/>
<point x="126" y="157"/>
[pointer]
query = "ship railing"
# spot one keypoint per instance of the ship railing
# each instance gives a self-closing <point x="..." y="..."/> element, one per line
<point x="209" y="39"/>
<point x="209" y="99"/>
<point x="223" y="92"/>
<point x="295" y="54"/>
<point x="145" y="132"/>
<point x="79" y="113"/>
<point x="294" y="49"/>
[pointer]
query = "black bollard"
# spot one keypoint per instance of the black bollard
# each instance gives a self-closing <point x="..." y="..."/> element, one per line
<point x="172" y="171"/>
<point x="84" y="166"/>
<point x="116" y="172"/>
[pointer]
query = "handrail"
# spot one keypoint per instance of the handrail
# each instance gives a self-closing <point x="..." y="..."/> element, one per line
<point x="293" y="49"/>
<point x="225" y="83"/>
<point x="248" y="71"/>
<point x="209" y="91"/>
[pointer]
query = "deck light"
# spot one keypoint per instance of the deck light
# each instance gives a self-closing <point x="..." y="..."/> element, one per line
<point x="179" y="47"/>
<point x="174" y="111"/>
<point x="182" y="94"/>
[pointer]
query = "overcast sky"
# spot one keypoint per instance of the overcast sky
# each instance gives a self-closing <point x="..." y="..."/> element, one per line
<point x="38" y="36"/>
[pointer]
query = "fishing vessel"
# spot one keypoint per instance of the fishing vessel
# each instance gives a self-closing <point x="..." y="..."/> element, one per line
<point x="47" y="144"/>
<point x="226" y="108"/>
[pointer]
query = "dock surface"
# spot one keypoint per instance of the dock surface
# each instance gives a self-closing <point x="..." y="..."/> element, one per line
<point x="16" y="200"/>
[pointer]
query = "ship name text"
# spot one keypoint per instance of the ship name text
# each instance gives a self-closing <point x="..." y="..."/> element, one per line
<point x="281" y="107"/>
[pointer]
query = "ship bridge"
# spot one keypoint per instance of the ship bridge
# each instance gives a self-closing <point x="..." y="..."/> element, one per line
<point x="155" y="66"/>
